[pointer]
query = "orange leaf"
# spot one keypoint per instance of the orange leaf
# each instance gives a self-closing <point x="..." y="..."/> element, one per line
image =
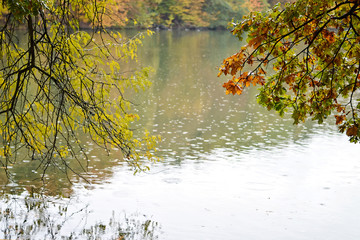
<point x="339" y="119"/>
<point x="352" y="131"/>
<point x="255" y="42"/>
<point x="261" y="71"/>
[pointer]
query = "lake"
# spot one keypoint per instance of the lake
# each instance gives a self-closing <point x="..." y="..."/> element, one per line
<point x="230" y="170"/>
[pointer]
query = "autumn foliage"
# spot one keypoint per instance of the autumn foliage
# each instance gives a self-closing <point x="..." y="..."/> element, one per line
<point x="305" y="57"/>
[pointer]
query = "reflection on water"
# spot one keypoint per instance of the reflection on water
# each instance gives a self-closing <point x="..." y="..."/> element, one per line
<point x="231" y="169"/>
<point x="37" y="217"/>
<point x="25" y="175"/>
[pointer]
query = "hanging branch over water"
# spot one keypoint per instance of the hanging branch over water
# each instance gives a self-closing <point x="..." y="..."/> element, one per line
<point x="62" y="82"/>
<point x="313" y="50"/>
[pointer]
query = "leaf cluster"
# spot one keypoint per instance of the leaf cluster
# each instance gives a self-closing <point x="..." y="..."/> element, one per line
<point x="304" y="56"/>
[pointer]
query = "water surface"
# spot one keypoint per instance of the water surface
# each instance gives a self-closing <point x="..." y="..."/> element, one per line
<point x="230" y="170"/>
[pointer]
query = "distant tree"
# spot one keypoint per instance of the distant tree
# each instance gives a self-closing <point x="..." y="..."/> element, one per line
<point x="130" y="13"/>
<point x="221" y="12"/>
<point x="180" y="13"/>
<point x="255" y="5"/>
<point x="188" y="12"/>
<point x="58" y="83"/>
<point x="283" y="2"/>
<point x="305" y="57"/>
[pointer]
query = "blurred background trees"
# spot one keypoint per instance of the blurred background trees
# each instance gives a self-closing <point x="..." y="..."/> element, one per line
<point x="183" y="13"/>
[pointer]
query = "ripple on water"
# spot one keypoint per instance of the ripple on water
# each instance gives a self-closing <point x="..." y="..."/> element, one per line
<point x="172" y="180"/>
